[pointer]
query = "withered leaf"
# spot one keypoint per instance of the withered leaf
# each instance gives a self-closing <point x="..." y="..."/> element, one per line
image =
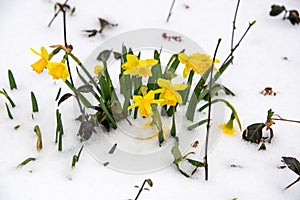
<point x="64" y="97"/>
<point x="292" y="163"/>
<point x="85" y="88"/>
<point x="276" y="10"/>
<point x="253" y="133"/>
<point x="86" y="130"/>
<point x="104" y="55"/>
<point x="294" y="17"/>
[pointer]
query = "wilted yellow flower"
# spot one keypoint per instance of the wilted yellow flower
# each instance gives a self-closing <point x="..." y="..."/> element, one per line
<point x="144" y="103"/>
<point x="134" y="66"/>
<point x="97" y="69"/>
<point x="58" y="70"/>
<point x="228" y="128"/>
<point x="40" y="65"/>
<point x="169" y="92"/>
<point x="198" y="62"/>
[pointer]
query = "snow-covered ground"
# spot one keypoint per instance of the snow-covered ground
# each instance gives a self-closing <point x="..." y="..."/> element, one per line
<point x="258" y="63"/>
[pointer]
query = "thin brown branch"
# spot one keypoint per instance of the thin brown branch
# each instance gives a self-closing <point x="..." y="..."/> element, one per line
<point x="170" y="11"/>
<point x="57" y="12"/>
<point x="205" y="159"/>
<point x="233" y="24"/>
<point x="238" y="44"/>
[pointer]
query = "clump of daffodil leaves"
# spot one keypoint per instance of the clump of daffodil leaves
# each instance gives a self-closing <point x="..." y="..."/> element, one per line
<point x="149" y="90"/>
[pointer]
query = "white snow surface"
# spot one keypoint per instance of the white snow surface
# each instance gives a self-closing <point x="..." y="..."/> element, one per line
<point x="258" y="63"/>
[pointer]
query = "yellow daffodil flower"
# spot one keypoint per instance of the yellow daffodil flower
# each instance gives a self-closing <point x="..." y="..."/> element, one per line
<point x="98" y="69"/>
<point x="58" y="70"/>
<point x="134" y="66"/>
<point x="40" y="65"/>
<point x="169" y="92"/>
<point x="144" y="103"/>
<point x="228" y="128"/>
<point x="198" y="62"/>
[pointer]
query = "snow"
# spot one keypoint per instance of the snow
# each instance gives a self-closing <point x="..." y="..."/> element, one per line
<point x="258" y="63"/>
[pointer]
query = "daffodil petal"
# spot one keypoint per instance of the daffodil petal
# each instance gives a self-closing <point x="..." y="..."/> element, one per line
<point x="179" y="86"/>
<point x="182" y="57"/>
<point x="164" y="83"/>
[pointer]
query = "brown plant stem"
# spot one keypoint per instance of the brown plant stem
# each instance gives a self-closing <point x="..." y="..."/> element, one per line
<point x="205" y="159"/>
<point x="283" y="119"/>
<point x="141" y="189"/>
<point x="63" y="9"/>
<point x="57" y="12"/>
<point x="239" y="42"/>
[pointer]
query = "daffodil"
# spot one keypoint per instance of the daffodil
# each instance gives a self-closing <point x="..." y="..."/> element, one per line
<point x="144" y="103"/>
<point x="42" y="63"/>
<point x="58" y="70"/>
<point x="228" y="128"/>
<point x="98" y="69"/>
<point x="134" y="66"/>
<point x="198" y="62"/>
<point x="169" y="92"/>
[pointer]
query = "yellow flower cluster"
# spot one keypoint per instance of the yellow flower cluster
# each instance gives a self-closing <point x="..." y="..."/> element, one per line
<point x="168" y="96"/>
<point x="56" y="69"/>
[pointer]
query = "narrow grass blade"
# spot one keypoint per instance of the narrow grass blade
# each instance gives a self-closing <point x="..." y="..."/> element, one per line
<point x="12" y="81"/>
<point x="8" y="112"/>
<point x="113" y="148"/>
<point x="58" y="94"/>
<point x="25" y="162"/>
<point x="76" y="158"/>
<point x="34" y="103"/>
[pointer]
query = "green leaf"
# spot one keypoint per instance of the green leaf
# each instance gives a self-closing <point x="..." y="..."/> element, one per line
<point x="39" y="143"/>
<point x="8" y="112"/>
<point x="34" y="103"/>
<point x="228" y="105"/>
<point x="58" y="94"/>
<point x="64" y="97"/>
<point x="195" y="163"/>
<point x="72" y="13"/>
<point x="186" y="92"/>
<point x="76" y="158"/>
<point x="149" y="181"/>
<point x="8" y="98"/>
<point x="59" y="130"/>
<point x="176" y="152"/>
<point x="156" y="120"/>
<point x="156" y="72"/>
<point x="25" y="162"/>
<point x="200" y="123"/>
<point x="113" y="148"/>
<point x="12" y="81"/>
<point x="173" y="128"/>
<point x="83" y="100"/>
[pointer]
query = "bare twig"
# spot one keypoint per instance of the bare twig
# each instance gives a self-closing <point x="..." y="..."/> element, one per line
<point x="170" y="11"/>
<point x="239" y="42"/>
<point x="205" y="159"/>
<point x="63" y="9"/>
<point x="283" y="119"/>
<point x="233" y="24"/>
<point x="57" y="12"/>
<point x="290" y="185"/>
